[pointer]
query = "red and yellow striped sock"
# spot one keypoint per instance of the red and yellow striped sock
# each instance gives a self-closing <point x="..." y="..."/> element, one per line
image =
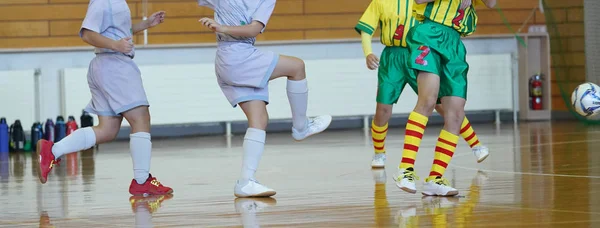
<point x="444" y="149"/>
<point x="378" y="135"/>
<point x="415" y="127"/>
<point x="467" y="132"/>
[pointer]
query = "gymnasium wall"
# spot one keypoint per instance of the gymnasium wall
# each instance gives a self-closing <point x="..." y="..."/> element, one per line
<point x="567" y="47"/>
<point x="55" y="23"/>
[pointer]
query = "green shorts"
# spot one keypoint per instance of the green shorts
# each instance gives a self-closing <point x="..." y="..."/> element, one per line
<point x="438" y="49"/>
<point x="393" y="74"/>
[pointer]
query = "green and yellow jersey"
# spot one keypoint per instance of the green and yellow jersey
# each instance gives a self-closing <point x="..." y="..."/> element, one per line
<point x="447" y="12"/>
<point x="395" y="18"/>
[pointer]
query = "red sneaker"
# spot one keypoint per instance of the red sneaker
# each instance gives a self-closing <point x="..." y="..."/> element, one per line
<point x="151" y="203"/>
<point x="150" y="187"/>
<point x="46" y="159"/>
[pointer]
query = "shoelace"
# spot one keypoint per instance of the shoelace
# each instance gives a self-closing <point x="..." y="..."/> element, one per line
<point x="410" y="175"/>
<point x="442" y="181"/>
<point x="55" y="162"/>
<point x="155" y="182"/>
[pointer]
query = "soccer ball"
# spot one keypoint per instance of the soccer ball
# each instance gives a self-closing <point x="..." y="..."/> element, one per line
<point x="586" y="99"/>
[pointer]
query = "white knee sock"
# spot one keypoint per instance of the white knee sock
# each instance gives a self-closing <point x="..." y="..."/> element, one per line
<point x="141" y="153"/>
<point x="254" y="145"/>
<point x="81" y="139"/>
<point x="297" y="92"/>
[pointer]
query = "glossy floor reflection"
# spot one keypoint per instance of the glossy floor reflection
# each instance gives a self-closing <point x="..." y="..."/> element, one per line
<point x="538" y="175"/>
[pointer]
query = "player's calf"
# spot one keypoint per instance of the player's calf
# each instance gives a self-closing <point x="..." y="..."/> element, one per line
<point x="256" y="113"/>
<point x="379" y="128"/>
<point x="140" y="146"/>
<point x="297" y="92"/>
<point x="467" y="132"/>
<point x="454" y="113"/>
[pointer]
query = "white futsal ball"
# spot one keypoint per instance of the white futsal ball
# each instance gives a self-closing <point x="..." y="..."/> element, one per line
<point x="586" y="99"/>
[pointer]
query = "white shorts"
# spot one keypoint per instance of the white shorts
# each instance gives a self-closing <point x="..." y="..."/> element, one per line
<point x="243" y="72"/>
<point x="116" y="85"/>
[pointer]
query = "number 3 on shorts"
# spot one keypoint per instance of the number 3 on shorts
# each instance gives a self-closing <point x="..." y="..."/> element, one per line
<point x="421" y="58"/>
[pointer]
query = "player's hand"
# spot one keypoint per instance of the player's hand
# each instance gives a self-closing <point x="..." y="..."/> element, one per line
<point x="212" y="25"/>
<point x="123" y="45"/>
<point x="372" y="62"/>
<point x="156" y="19"/>
<point x="465" y="4"/>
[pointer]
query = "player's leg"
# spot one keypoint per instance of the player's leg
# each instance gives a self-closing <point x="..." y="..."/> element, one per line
<point x="467" y="132"/>
<point x="254" y="145"/>
<point x="140" y="146"/>
<point x="426" y="62"/>
<point x="133" y="106"/>
<point x="379" y="128"/>
<point x="428" y="84"/>
<point x="297" y="91"/>
<point x="49" y="153"/>
<point x="252" y="99"/>
<point x="445" y="147"/>
<point x="453" y="93"/>
<point x="391" y="78"/>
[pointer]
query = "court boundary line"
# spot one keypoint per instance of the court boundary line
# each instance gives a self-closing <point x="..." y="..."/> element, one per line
<point x="527" y="173"/>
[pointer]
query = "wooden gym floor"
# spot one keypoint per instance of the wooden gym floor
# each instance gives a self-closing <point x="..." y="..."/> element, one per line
<point x="538" y="175"/>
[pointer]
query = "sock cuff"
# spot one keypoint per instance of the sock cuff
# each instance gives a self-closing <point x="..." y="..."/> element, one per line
<point x="143" y="135"/>
<point x="297" y="86"/>
<point x="90" y="136"/>
<point x="445" y="135"/>
<point x="378" y="129"/>
<point x="255" y="134"/>
<point x="418" y="117"/>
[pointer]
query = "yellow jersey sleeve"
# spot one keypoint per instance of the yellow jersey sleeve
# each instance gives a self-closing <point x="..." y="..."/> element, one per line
<point x="477" y="3"/>
<point x="370" y="19"/>
<point x="418" y="11"/>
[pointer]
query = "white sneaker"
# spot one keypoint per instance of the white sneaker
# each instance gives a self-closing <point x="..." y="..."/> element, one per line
<point x="438" y="187"/>
<point x="379" y="175"/>
<point x="315" y="125"/>
<point x="378" y="160"/>
<point x="251" y="188"/>
<point x="406" y="180"/>
<point x="481" y="153"/>
<point x="253" y="205"/>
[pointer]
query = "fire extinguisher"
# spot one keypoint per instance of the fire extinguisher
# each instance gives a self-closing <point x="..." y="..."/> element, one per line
<point x="535" y="92"/>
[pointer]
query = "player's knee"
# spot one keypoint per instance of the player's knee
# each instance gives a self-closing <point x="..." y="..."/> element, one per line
<point x="426" y="104"/>
<point x="454" y="116"/>
<point x="439" y="108"/>
<point x="299" y="70"/>
<point x="258" y="122"/>
<point x="105" y="133"/>
<point x="139" y="123"/>
<point x="139" y="119"/>
<point x="383" y="112"/>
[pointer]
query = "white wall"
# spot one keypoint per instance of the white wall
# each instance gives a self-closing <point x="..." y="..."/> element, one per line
<point x="52" y="61"/>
